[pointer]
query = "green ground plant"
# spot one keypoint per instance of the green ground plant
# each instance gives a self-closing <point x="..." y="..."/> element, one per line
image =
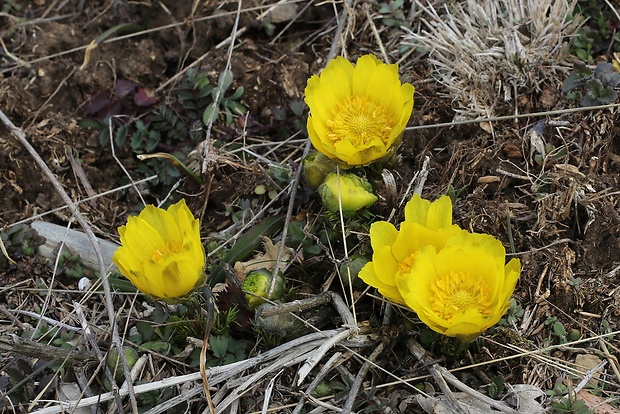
<point x="592" y="87"/>
<point x="133" y="119"/>
<point x="599" y="34"/>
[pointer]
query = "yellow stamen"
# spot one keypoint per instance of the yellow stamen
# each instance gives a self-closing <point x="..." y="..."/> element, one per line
<point x="454" y="293"/>
<point x="360" y="121"/>
<point x="404" y="267"/>
<point x="168" y="248"/>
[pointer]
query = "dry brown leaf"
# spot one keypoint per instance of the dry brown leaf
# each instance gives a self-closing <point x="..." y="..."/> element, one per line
<point x="596" y="404"/>
<point x="266" y="260"/>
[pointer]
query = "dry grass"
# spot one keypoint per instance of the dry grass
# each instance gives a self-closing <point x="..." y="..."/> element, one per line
<point x="486" y="56"/>
<point x="489" y="53"/>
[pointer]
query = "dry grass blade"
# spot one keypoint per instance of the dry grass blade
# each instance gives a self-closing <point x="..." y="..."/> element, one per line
<point x="488" y="53"/>
<point x="551" y="199"/>
<point x="17" y="133"/>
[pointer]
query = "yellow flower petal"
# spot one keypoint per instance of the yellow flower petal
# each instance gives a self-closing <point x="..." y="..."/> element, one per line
<point x="416" y="210"/>
<point x="464" y="288"/>
<point x="349" y="152"/>
<point x="161" y="252"/>
<point x="435" y="215"/>
<point x="315" y="136"/>
<point x="396" y="251"/>
<point x="364" y="70"/>
<point x="369" y="275"/>
<point x="457" y="282"/>
<point x="337" y="78"/>
<point x="414" y="288"/>
<point x="382" y="234"/>
<point x="413" y="236"/>
<point x="463" y="328"/>
<point x="165" y="223"/>
<point x="347" y="190"/>
<point x="357" y="114"/>
<point x="125" y="261"/>
<point x="141" y="238"/>
<point x="325" y="103"/>
<point x="512" y="272"/>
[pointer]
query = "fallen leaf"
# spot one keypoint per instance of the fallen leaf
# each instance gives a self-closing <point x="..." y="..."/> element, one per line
<point x="596" y="404"/>
<point x="266" y="260"/>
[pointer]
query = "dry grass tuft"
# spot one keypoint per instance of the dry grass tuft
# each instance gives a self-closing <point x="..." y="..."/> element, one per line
<point x="489" y="53"/>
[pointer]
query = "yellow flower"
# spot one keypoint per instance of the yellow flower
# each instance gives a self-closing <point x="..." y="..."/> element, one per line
<point x="358" y="114"/>
<point x="161" y="252"/>
<point x="355" y="193"/>
<point x="395" y="252"/>
<point x="462" y="289"/>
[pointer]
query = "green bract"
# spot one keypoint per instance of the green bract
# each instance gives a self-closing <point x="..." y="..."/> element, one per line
<point x="316" y="166"/>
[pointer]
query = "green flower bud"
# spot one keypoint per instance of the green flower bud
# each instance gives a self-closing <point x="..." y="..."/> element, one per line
<point x="256" y="284"/>
<point x="316" y="166"/>
<point x="355" y="193"/>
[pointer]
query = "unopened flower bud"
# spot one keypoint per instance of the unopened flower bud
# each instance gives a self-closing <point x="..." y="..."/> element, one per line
<point x="355" y="193"/>
<point x="256" y="284"/>
<point x="316" y="167"/>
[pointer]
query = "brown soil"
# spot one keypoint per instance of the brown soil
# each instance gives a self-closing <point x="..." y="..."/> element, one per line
<point x="562" y="215"/>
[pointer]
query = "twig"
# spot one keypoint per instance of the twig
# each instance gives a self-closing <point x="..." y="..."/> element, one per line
<point x="292" y="357"/>
<point x="21" y="346"/>
<point x="256" y="216"/>
<point x="420" y="353"/>
<point x="287" y="220"/>
<point x="338" y="41"/>
<point x="511" y="117"/>
<point x="47" y="320"/>
<point x="81" y="175"/>
<point x="219" y="95"/>
<point x="375" y="33"/>
<point x="120" y="164"/>
<point x="216" y="375"/>
<point x="290" y="23"/>
<point x="269" y="391"/>
<point x="613" y="272"/>
<point x="295" y="184"/>
<point x="184" y="396"/>
<point x="17" y="133"/>
<point x="442" y="376"/>
<point x="49" y="98"/>
<point x="78" y="202"/>
<point x="127" y="36"/>
<point x="359" y="378"/>
<point x="588" y="376"/>
<point x="321" y="351"/>
<point x="295" y="306"/>
<point x="235" y="33"/>
<point x="423" y="175"/>
<point x="325" y="369"/>
<point x="613" y="361"/>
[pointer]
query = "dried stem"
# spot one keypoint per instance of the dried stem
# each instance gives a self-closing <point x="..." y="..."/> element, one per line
<point x="116" y="341"/>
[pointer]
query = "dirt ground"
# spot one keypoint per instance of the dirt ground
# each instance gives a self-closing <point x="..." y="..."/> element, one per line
<point x="562" y="215"/>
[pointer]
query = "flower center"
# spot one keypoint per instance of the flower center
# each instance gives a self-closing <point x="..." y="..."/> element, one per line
<point x="404" y="267"/>
<point x="454" y="293"/>
<point x="360" y="121"/>
<point x="168" y="248"/>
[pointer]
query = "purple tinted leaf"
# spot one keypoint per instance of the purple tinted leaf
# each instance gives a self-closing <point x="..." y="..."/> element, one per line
<point x="97" y="103"/>
<point x="111" y="110"/>
<point x="145" y="97"/>
<point x="124" y="87"/>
